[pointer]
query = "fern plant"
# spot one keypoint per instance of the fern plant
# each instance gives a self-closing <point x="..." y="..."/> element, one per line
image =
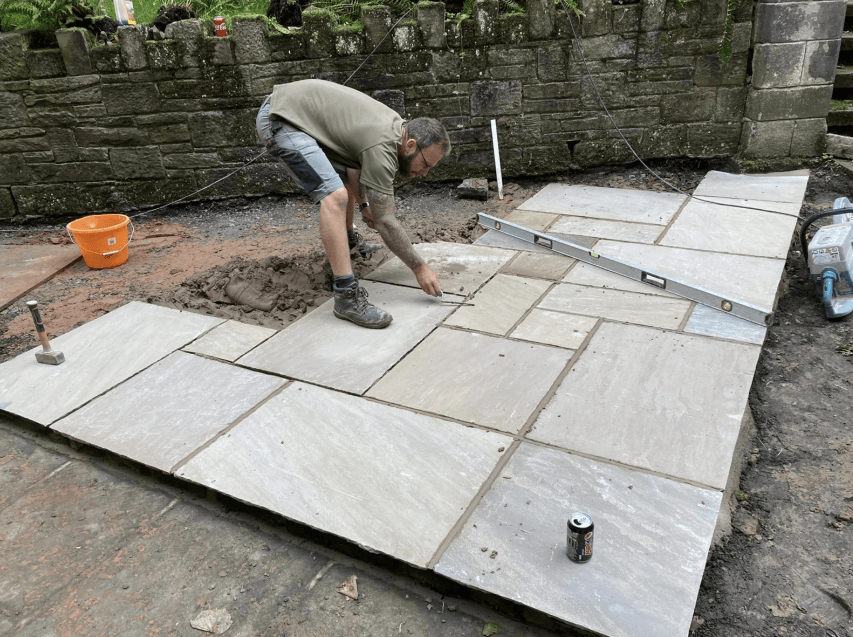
<point x="44" y="15"/>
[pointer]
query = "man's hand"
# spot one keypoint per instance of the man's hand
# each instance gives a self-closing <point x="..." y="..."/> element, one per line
<point x="427" y="279"/>
<point x="367" y="216"/>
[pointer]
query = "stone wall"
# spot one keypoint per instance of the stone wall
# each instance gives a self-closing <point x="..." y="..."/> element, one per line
<point x="87" y="128"/>
<point x="796" y="46"/>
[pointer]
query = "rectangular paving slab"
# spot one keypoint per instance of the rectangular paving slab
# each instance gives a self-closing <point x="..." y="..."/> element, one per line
<point x="650" y="544"/>
<point x="554" y="328"/>
<point x="619" y="230"/>
<point x="736" y="230"/>
<point x="778" y="187"/>
<point x="586" y="274"/>
<point x="461" y="268"/>
<point x="323" y="349"/>
<point x="617" y="305"/>
<point x="750" y="279"/>
<point x="165" y="413"/>
<point x="25" y="267"/>
<point x="230" y="340"/>
<point x="98" y="356"/>
<point x="532" y="220"/>
<point x="496" y="239"/>
<point x="665" y="402"/>
<point x="499" y="304"/>
<point x="385" y="478"/>
<point x="476" y="378"/>
<point x="539" y="266"/>
<point x="616" y="204"/>
<point x="707" y="321"/>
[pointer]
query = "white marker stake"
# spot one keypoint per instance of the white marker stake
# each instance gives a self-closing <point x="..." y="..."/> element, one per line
<point x="497" y="160"/>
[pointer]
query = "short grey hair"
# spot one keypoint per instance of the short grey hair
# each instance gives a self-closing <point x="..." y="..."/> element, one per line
<point x="427" y="131"/>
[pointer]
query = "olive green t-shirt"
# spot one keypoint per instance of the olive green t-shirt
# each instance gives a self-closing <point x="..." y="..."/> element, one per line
<point x="353" y="129"/>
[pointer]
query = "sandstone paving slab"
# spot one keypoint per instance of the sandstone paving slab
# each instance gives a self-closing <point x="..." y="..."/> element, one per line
<point x="540" y="266"/>
<point x="666" y="402"/>
<point x="25" y="267"/>
<point x="230" y="340"/>
<point x="617" y="305"/>
<point x="554" y="328"/>
<point x="385" y="478"/>
<point x="322" y="349"/>
<point x="162" y="415"/>
<point x="586" y="274"/>
<point x="496" y="239"/>
<point x="98" y="356"/>
<point x="475" y="378"/>
<point x="636" y="584"/>
<point x="22" y="463"/>
<point x="532" y="220"/>
<point x="616" y="204"/>
<point x="601" y="229"/>
<point x="462" y="268"/>
<point x="707" y="321"/>
<point x="737" y="230"/>
<point x="742" y="278"/>
<point x="499" y="304"/>
<point x="92" y="523"/>
<point x="776" y="187"/>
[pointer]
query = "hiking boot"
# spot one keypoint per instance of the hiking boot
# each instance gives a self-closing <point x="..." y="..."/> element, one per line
<point x="351" y="305"/>
<point x="357" y="242"/>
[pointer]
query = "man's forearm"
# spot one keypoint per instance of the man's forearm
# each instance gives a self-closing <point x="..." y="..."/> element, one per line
<point x="385" y="221"/>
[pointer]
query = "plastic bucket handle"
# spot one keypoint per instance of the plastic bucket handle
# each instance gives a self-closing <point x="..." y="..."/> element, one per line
<point x="105" y="254"/>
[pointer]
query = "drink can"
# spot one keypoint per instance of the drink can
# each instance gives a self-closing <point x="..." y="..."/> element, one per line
<point x="219" y="26"/>
<point x="579" y="537"/>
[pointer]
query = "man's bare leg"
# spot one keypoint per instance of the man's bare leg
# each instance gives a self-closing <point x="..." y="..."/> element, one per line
<point x="333" y="231"/>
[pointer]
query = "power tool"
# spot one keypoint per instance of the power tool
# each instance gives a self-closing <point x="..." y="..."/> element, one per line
<point x="829" y="257"/>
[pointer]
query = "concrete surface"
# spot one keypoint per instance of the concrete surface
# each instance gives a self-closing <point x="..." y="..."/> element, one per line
<point x="387" y="479"/>
<point x="625" y="400"/>
<point x="322" y="349"/>
<point x="25" y="267"/>
<point x="615" y="204"/>
<point x="474" y="378"/>
<point x="162" y="415"/>
<point x="230" y="340"/>
<point x="650" y="542"/>
<point x="98" y="356"/>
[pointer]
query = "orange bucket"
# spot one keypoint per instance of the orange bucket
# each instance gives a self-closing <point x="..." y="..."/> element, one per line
<point x="102" y="239"/>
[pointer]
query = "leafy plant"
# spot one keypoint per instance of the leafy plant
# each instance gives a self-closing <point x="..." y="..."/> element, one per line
<point x="44" y="15"/>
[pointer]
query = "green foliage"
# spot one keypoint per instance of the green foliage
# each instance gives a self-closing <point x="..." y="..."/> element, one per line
<point x="44" y="15"/>
<point x="491" y="629"/>
<point x="349" y="11"/>
<point x="742" y="496"/>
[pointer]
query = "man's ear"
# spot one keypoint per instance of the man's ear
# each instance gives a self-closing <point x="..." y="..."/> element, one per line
<point x="410" y="145"/>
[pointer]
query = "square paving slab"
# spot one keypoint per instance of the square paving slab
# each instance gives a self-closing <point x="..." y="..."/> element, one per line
<point x="554" y="328"/>
<point x="323" y="349"/>
<point x="740" y="230"/>
<point x="164" y="414"/>
<point x="499" y="304"/>
<point x="636" y="232"/>
<point x="539" y="266"/>
<point x="616" y="204"/>
<point x="617" y="305"/>
<point x="25" y="267"/>
<point x="778" y="187"/>
<point x="98" y="356"/>
<point x="710" y="322"/>
<point x="385" y="478"/>
<point x="650" y="544"/>
<point x="670" y="403"/>
<point x="230" y="340"/>
<point x="461" y="268"/>
<point x="476" y="378"/>
<point x="750" y="279"/>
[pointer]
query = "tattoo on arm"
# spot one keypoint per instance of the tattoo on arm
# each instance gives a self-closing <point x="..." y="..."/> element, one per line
<point x="389" y="228"/>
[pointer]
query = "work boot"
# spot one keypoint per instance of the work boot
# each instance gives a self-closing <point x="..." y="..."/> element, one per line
<point x="351" y="305"/>
<point x="357" y="242"/>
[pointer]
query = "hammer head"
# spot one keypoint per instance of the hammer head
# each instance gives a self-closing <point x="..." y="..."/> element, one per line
<point x="51" y="357"/>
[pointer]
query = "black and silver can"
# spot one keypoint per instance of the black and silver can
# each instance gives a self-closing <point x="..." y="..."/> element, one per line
<point x="579" y="537"/>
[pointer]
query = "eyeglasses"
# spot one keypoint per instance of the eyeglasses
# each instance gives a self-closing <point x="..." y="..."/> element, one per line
<point x="426" y="163"/>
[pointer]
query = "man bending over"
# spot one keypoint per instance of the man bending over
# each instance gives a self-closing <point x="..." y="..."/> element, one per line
<point x="344" y="148"/>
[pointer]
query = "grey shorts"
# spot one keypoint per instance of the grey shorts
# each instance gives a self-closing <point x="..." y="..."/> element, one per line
<point x="302" y="158"/>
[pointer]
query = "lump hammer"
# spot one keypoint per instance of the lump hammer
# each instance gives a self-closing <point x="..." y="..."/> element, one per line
<point x="48" y="355"/>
